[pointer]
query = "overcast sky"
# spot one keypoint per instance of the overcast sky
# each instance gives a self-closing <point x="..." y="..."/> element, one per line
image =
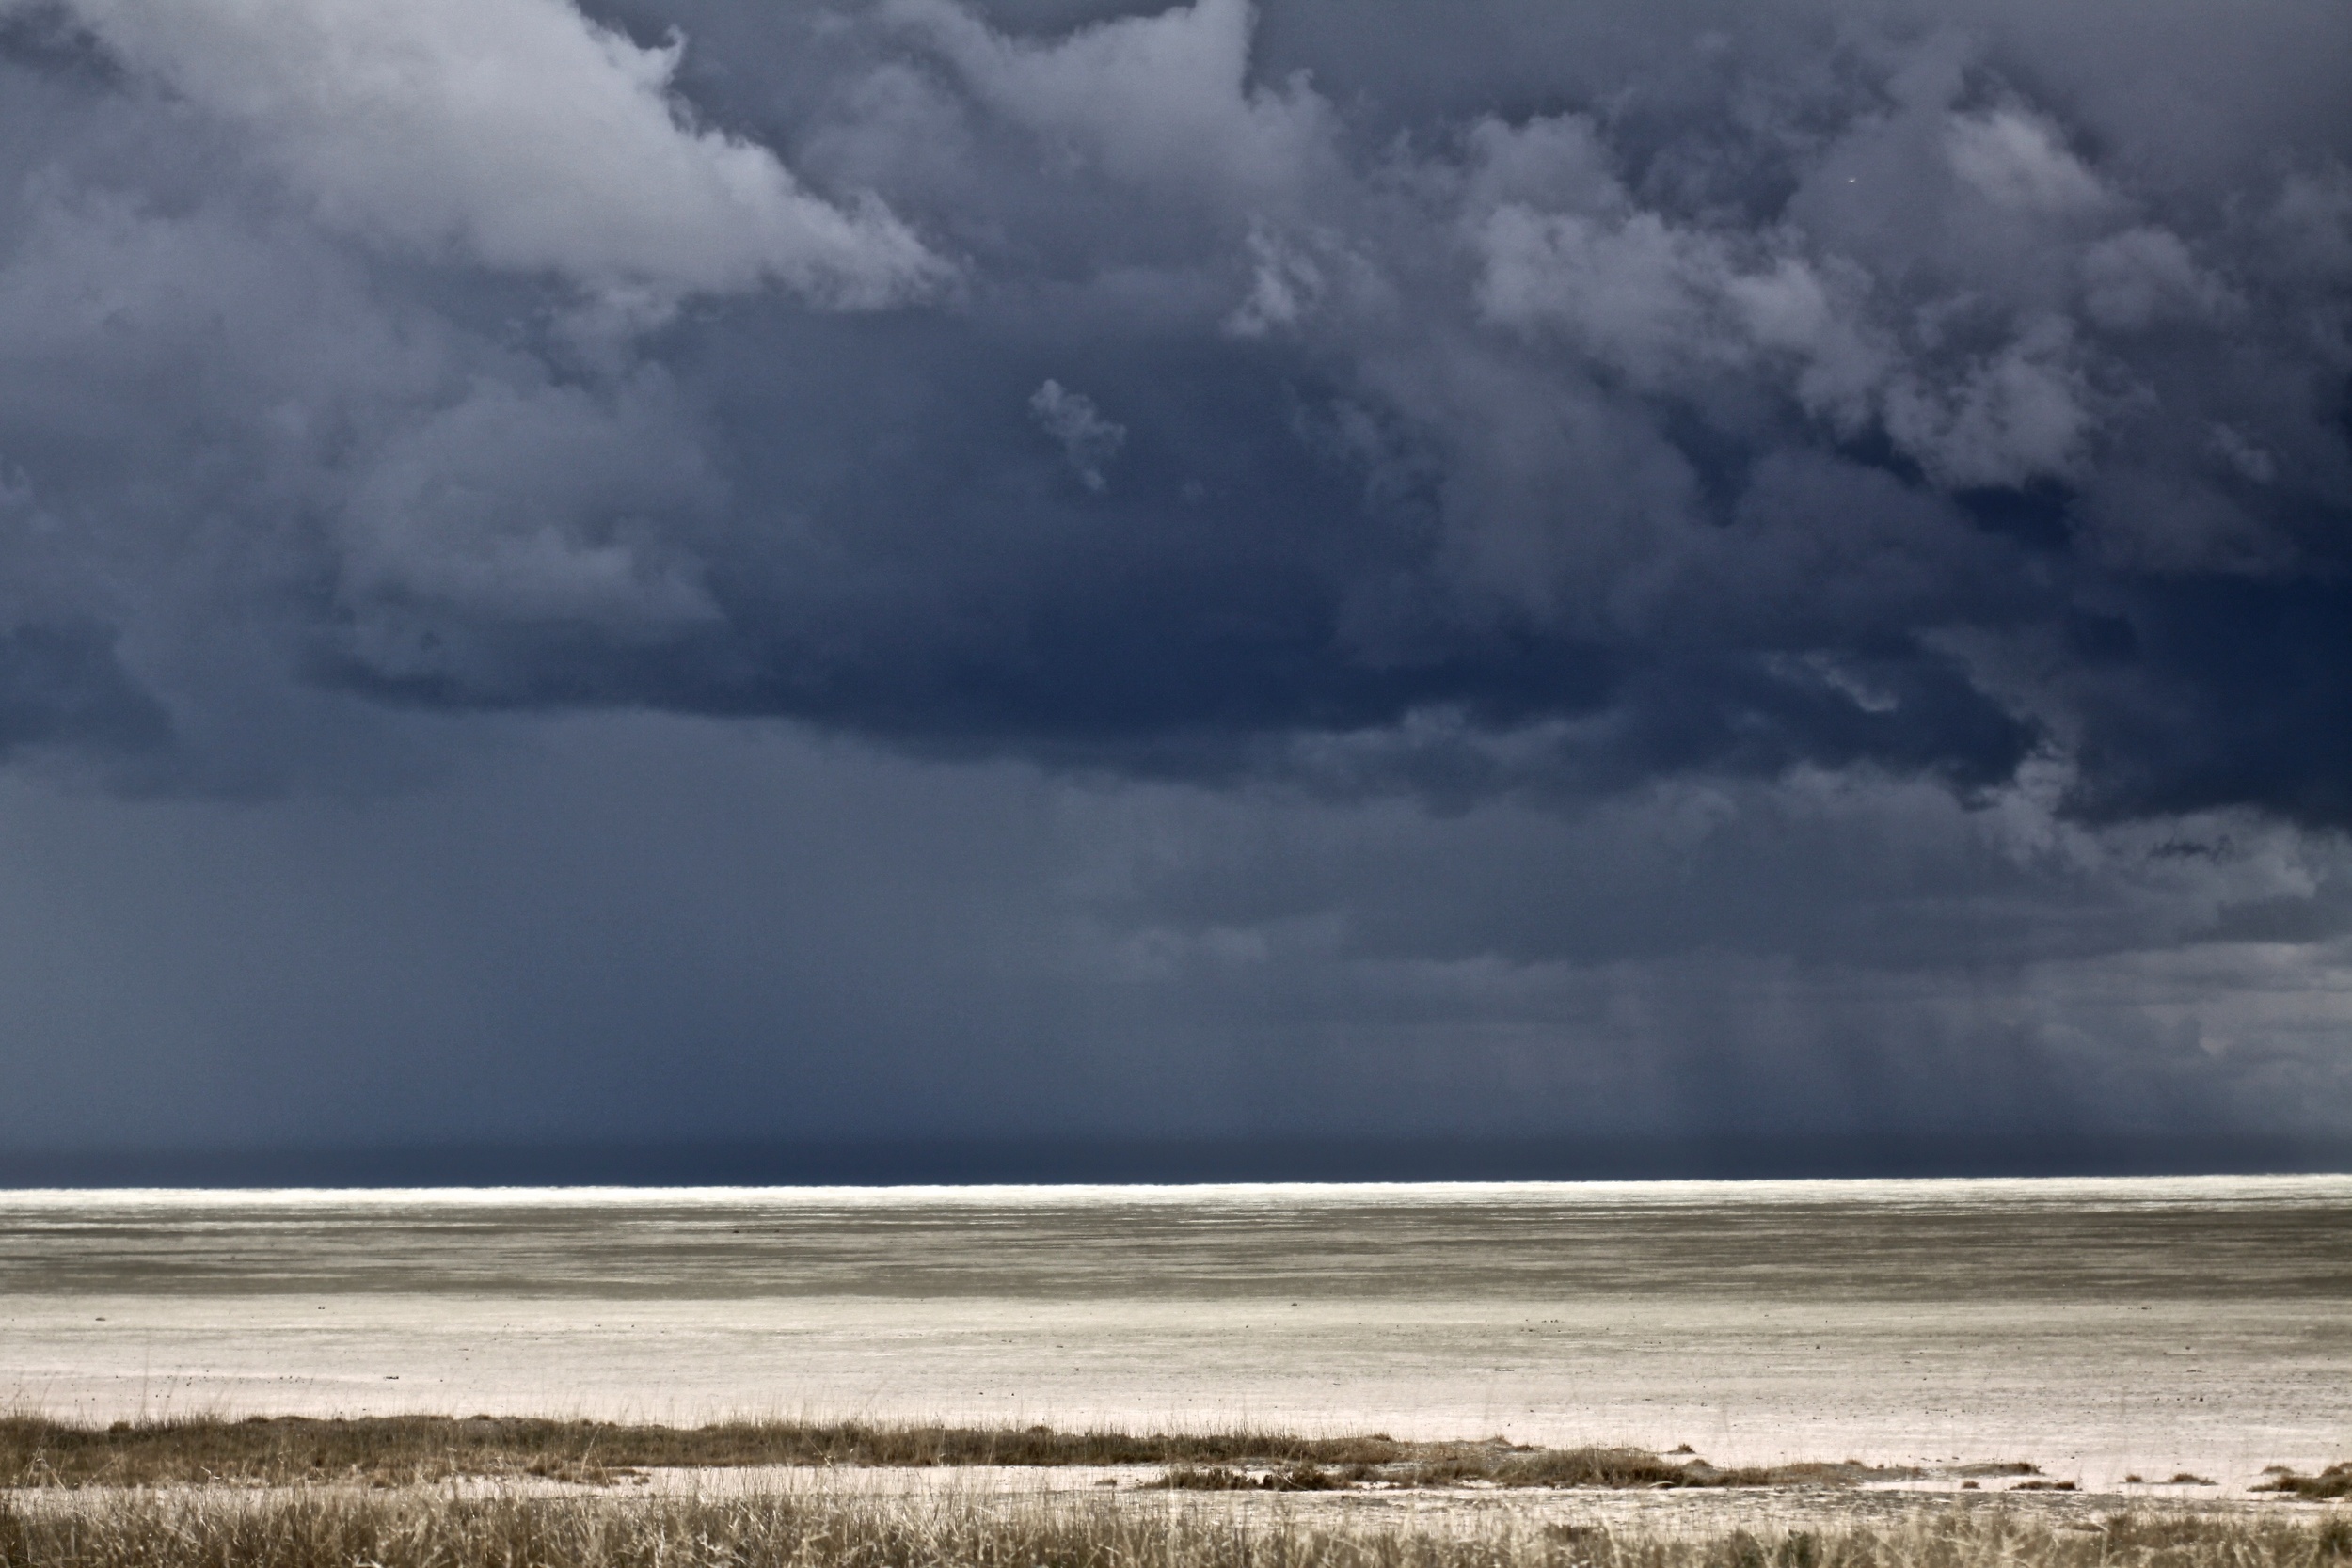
<point x="701" y="569"/>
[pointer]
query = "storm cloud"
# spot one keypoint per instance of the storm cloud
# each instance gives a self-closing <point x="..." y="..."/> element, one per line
<point x="1569" y="447"/>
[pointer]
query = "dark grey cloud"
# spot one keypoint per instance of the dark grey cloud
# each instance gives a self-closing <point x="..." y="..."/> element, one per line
<point x="1567" y="566"/>
<point x="1735" y="390"/>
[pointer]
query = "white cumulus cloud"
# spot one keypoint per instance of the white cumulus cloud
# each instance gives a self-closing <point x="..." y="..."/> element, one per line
<point x="1157" y="101"/>
<point x="513" y="133"/>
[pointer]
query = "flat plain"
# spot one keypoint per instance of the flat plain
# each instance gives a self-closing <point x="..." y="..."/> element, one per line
<point x="2096" y="1328"/>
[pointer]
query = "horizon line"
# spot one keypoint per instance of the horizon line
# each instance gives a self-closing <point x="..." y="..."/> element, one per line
<point x="965" y="1161"/>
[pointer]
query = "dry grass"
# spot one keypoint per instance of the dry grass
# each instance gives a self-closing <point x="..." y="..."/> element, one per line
<point x="400" y="1450"/>
<point x="420" y="1529"/>
<point x="2332" y="1482"/>
<point x="1503" y="1465"/>
<point x="407" y="1450"/>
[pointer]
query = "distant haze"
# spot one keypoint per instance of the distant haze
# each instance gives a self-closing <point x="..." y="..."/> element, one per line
<point x="1316" y="588"/>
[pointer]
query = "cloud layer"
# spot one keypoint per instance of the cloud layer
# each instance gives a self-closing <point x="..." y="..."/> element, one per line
<point x="1525" y="453"/>
<point x="1892" y="401"/>
<point x="517" y="137"/>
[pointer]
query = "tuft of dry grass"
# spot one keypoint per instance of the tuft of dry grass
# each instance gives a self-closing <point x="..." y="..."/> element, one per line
<point x="2332" y="1482"/>
<point x="1294" y="1478"/>
<point x="421" y="1529"/>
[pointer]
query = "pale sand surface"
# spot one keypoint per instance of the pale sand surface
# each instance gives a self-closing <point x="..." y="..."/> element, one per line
<point x="2092" y="1328"/>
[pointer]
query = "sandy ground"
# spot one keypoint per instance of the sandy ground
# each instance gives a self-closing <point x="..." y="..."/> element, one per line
<point x="2095" y="1328"/>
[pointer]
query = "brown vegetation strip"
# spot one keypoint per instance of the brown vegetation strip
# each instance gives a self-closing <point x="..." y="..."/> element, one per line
<point x="1503" y="1465"/>
<point x="210" y="1529"/>
<point x="406" y="1449"/>
<point x="397" y="1450"/>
